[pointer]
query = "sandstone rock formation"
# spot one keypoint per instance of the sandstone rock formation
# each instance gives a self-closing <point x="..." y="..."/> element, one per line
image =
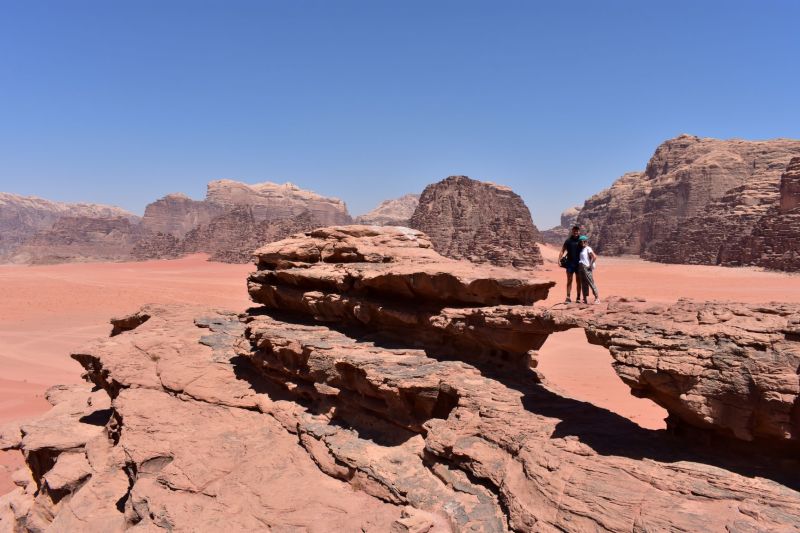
<point x="229" y="224"/>
<point x="477" y="221"/>
<point x="23" y="216"/>
<point x="235" y="235"/>
<point x="176" y="214"/>
<point x="396" y="212"/>
<point x="271" y="201"/>
<point x="774" y="241"/>
<point x="382" y="387"/>
<point x="76" y="239"/>
<point x="557" y="235"/>
<point x="696" y="202"/>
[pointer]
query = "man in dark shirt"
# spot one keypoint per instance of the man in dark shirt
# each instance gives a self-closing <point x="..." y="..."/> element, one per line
<point x="572" y="247"/>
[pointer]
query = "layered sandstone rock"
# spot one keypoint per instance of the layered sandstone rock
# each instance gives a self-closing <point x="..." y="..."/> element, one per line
<point x="696" y="202"/>
<point x="348" y="403"/>
<point x="478" y="221"/>
<point x="176" y="214"/>
<point x="21" y="217"/>
<point x="235" y="235"/>
<point x="775" y="240"/>
<point x="75" y="239"/>
<point x="157" y="246"/>
<point x="271" y="201"/>
<point x="395" y="212"/>
<point x="557" y="235"/>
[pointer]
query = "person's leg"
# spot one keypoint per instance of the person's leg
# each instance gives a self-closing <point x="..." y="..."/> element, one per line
<point x="590" y="282"/>
<point x="584" y="286"/>
<point x="569" y="283"/>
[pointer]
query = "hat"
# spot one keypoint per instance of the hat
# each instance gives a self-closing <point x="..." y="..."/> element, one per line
<point x="583" y="238"/>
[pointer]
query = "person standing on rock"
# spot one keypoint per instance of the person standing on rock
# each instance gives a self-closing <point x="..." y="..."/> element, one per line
<point x="586" y="270"/>
<point x="572" y="249"/>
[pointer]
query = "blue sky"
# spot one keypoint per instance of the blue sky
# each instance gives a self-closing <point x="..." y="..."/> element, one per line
<point x="122" y="102"/>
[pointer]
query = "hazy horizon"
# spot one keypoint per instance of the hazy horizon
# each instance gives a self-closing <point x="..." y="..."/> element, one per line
<point x="365" y="101"/>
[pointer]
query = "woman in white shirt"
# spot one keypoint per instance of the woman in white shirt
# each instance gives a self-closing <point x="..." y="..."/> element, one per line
<point x="585" y="269"/>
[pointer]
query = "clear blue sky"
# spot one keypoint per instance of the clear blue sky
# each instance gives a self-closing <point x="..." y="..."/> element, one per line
<point x="122" y="102"/>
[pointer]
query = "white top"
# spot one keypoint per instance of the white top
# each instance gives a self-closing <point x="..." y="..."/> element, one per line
<point x="585" y="261"/>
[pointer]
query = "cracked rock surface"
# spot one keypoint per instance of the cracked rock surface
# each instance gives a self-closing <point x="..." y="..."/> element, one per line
<point x="351" y="402"/>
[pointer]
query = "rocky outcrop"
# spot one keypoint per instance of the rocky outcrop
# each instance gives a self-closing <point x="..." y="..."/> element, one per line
<point x="477" y="221"/>
<point x="773" y="243"/>
<point x="270" y="201"/>
<point x="234" y="236"/>
<point x="697" y="201"/>
<point x="347" y="403"/>
<point x="76" y="239"/>
<point x="557" y="235"/>
<point x="21" y="217"/>
<point x="176" y="214"/>
<point x="157" y="246"/>
<point x="396" y="212"/>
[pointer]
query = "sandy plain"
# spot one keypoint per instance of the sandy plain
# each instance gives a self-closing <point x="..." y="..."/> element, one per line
<point x="48" y="311"/>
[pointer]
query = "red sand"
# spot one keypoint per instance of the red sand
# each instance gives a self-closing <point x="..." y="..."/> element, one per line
<point x="48" y="311"/>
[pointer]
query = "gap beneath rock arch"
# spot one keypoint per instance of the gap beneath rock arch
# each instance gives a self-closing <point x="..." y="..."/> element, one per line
<point x="574" y="368"/>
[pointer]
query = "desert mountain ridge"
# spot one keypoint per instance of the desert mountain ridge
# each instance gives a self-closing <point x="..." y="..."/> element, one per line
<point x="698" y="201"/>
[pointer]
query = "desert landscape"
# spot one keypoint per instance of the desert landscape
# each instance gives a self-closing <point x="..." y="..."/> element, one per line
<point x="314" y="267"/>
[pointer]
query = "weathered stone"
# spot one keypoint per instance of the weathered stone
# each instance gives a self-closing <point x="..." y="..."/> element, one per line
<point x="478" y="221"/>
<point x="697" y="202"/>
<point x="395" y="212"/>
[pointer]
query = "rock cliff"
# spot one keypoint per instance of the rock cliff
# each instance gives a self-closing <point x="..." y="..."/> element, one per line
<point x="773" y="243"/>
<point x="396" y="212"/>
<point x="382" y="387"/>
<point x="21" y="217"/>
<point x="78" y="239"/>
<point x="271" y="201"/>
<point x="477" y="221"/>
<point x="697" y="201"/>
<point x="177" y="214"/>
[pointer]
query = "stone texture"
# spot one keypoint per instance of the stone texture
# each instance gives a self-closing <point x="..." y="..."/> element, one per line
<point x="728" y="368"/>
<point x="271" y="200"/>
<point x="157" y="246"/>
<point x="76" y="239"/>
<point x="395" y="212"/>
<point x="235" y="235"/>
<point x="176" y="214"/>
<point x="342" y="404"/>
<point x="478" y="221"/>
<point x="23" y="216"/>
<point x="557" y="235"/>
<point x="697" y="201"/>
<point x="774" y="241"/>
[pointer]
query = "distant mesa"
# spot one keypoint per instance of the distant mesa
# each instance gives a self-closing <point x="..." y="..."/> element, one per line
<point x="396" y="212"/>
<point x="233" y="220"/>
<point x="21" y="217"/>
<point x="478" y="221"/>
<point x="700" y="201"/>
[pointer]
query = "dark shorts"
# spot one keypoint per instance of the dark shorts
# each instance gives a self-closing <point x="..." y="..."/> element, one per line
<point x="572" y="268"/>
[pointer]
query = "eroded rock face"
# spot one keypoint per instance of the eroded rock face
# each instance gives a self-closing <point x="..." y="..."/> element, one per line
<point x="234" y="236"/>
<point x="697" y="201"/>
<point x="271" y="201"/>
<point x="75" y="239"/>
<point x="477" y="221"/>
<point x="21" y="217"/>
<point x="396" y="212"/>
<point x="176" y="214"/>
<point x="381" y="388"/>
<point x="774" y="241"/>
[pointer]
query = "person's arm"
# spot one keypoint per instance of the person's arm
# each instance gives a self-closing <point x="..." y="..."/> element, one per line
<point x="592" y="258"/>
<point x="563" y="249"/>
